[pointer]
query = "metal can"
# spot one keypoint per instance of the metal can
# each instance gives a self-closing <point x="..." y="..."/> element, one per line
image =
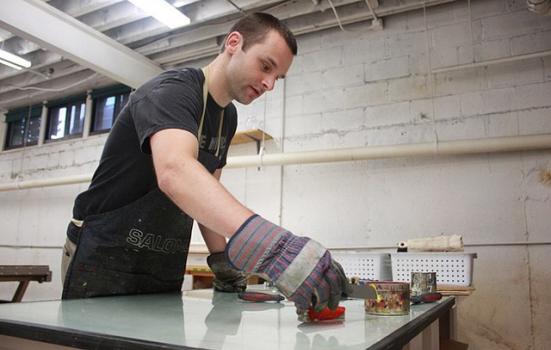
<point x="392" y="299"/>
<point x="423" y="283"/>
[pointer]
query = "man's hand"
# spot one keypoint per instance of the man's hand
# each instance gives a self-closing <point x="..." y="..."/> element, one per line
<point x="226" y="278"/>
<point x="301" y="268"/>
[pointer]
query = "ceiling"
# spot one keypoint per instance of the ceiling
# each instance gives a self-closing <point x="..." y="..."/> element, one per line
<point x="77" y="45"/>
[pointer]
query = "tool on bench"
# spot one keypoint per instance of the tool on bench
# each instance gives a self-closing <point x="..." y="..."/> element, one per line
<point x="258" y="297"/>
<point x="353" y="291"/>
<point x="361" y="291"/>
<point x="309" y="316"/>
<point x="425" y="298"/>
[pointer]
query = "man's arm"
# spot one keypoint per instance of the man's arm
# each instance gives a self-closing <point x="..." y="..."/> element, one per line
<point x="226" y="278"/>
<point x="215" y="242"/>
<point x="190" y="186"/>
<point x="300" y="267"/>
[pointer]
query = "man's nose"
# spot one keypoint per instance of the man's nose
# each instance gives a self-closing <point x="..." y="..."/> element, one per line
<point x="268" y="83"/>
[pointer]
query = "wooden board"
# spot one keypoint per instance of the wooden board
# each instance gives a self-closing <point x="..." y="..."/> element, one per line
<point x="252" y="135"/>
<point x="455" y="290"/>
<point x="40" y="273"/>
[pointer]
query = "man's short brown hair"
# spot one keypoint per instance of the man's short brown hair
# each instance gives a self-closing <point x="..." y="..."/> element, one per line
<point x="254" y="28"/>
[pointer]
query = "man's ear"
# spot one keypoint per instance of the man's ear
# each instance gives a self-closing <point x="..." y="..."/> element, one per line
<point x="234" y="42"/>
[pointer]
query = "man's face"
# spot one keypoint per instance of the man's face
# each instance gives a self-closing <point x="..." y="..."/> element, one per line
<point x="252" y="72"/>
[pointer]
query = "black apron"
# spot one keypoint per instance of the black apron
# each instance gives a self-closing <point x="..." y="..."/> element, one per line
<point x="139" y="248"/>
<point x="136" y="249"/>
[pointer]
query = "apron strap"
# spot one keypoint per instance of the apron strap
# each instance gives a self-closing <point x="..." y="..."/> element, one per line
<point x="219" y="133"/>
<point x="205" y="95"/>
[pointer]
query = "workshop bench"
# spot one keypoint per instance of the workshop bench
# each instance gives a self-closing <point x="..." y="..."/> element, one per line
<point x="23" y="274"/>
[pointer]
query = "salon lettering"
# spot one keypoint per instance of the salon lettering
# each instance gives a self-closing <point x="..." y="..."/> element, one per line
<point x="156" y="243"/>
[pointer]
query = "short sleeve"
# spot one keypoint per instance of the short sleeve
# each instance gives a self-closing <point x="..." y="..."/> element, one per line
<point x="173" y="100"/>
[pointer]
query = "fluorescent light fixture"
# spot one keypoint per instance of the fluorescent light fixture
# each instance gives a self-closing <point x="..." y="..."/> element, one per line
<point x="163" y="12"/>
<point x="10" y="64"/>
<point x="13" y="61"/>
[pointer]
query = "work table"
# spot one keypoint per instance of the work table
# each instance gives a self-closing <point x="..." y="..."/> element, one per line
<point x="201" y="319"/>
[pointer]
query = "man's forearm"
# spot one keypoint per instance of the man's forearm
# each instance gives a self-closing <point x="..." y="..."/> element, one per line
<point x="215" y="242"/>
<point x="190" y="186"/>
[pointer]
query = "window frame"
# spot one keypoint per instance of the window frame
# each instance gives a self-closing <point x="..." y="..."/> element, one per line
<point x="118" y="92"/>
<point x="27" y="114"/>
<point x="75" y="101"/>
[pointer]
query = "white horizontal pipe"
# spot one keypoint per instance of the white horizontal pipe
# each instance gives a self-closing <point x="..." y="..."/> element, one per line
<point x="66" y="180"/>
<point x="199" y="248"/>
<point x="487" y="145"/>
<point x="491" y="62"/>
<point x="496" y="244"/>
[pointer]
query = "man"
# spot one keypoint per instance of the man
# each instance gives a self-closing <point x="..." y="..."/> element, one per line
<point x="160" y="170"/>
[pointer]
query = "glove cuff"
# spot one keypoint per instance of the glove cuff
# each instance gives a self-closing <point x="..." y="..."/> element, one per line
<point x="264" y="248"/>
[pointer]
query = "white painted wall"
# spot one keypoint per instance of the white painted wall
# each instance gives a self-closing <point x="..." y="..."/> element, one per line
<point x="360" y="88"/>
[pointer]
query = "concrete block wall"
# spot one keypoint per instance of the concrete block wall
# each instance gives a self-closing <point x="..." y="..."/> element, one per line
<point x="359" y="88"/>
<point x="35" y="220"/>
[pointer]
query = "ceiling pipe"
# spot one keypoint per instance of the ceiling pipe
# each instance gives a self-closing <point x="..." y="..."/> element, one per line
<point x="447" y="148"/>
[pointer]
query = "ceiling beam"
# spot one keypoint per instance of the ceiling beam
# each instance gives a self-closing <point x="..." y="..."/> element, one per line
<point x="79" y="42"/>
<point x="80" y="8"/>
<point x="74" y="9"/>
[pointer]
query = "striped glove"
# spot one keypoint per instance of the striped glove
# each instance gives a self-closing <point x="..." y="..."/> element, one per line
<point x="226" y="278"/>
<point x="301" y="268"/>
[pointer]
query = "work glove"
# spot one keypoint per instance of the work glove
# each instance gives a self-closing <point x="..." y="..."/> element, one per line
<point x="301" y="268"/>
<point x="226" y="278"/>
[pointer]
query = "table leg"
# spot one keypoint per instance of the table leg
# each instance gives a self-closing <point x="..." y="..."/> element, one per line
<point x="20" y="291"/>
<point x="428" y="339"/>
<point x="445" y="326"/>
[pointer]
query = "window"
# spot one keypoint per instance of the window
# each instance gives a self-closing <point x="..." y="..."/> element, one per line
<point x="108" y="103"/>
<point x="66" y="120"/>
<point x="65" y="117"/>
<point x="23" y="127"/>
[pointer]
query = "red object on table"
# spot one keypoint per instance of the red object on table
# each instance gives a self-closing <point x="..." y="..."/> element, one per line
<point x="326" y="314"/>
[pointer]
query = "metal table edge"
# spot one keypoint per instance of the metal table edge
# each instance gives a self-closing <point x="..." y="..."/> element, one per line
<point x="77" y="338"/>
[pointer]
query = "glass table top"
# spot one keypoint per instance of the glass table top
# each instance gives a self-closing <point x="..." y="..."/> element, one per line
<point x="211" y="320"/>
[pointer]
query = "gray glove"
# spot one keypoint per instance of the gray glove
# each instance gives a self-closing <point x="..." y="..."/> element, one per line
<point x="226" y="278"/>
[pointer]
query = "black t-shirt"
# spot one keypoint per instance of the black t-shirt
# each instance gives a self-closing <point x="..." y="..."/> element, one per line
<point x="172" y="100"/>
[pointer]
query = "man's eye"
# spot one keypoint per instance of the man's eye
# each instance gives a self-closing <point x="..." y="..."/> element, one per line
<point x="265" y="67"/>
